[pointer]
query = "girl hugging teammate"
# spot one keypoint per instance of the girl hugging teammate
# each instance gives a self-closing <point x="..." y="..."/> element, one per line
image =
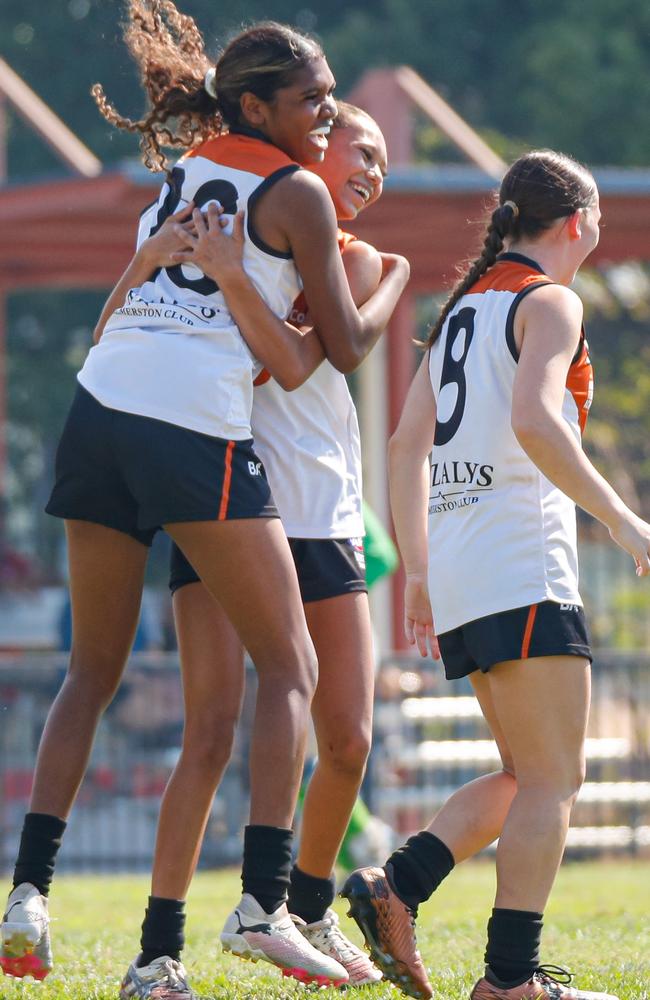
<point x="159" y="436"/>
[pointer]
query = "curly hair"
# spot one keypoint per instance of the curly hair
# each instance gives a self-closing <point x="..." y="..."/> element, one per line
<point x="539" y="188"/>
<point x="170" y="53"/>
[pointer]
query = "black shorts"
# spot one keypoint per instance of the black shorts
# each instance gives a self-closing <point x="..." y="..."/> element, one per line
<point x="326" y="567"/>
<point x="136" y="474"/>
<point x="544" y="629"/>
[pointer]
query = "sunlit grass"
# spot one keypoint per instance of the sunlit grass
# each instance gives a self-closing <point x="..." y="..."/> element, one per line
<point x="597" y="925"/>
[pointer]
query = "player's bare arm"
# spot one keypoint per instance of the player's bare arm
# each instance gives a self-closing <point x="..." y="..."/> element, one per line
<point x="547" y="326"/>
<point x="300" y="207"/>
<point x="408" y="463"/>
<point x="289" y="354"/>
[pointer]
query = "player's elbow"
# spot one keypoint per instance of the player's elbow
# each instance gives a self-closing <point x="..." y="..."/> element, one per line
<point x="531" y="430"/>
<point x="292" y="375"/>
<point x="523" y="428"/>
<point x="346" y="358"/>
<point x="291" y="381"/>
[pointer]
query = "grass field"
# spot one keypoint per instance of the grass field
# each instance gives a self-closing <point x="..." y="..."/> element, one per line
<point x="598" y="925"/>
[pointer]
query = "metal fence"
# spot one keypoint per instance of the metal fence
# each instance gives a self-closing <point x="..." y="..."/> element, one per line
<point x="114" y="820"/>
<point x="429" y="739"/>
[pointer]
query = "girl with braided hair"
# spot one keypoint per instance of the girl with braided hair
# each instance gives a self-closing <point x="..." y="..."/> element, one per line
<point x="502" y="395"/>
<point x="159" y="436"/>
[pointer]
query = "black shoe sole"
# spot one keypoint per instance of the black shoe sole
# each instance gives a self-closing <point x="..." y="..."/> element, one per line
<point x="364" y="915"/>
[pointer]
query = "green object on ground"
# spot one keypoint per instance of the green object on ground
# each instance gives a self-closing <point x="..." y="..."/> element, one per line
<point x="382" y="557"/>
<point x="358" y="822"/>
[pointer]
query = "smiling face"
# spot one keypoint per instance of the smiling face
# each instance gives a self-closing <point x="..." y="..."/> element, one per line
<point x="354" y="167"/>
<point x="299" y="117"/>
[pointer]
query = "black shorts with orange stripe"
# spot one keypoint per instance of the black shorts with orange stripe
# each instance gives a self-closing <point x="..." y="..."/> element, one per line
<point x="326" y="567"/>
<point x="544" y="629"/>
<point x="136" y="474"/>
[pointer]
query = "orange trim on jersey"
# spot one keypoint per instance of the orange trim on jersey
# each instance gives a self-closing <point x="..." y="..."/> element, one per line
<point x="345" y="239"/>
<point x="241" y="152"/>
<point x="509" y="276"/>
<point x="227" y="476"/>
<point x="528" y="631"/>
<point x="580" y="381"/>
<point x="516" y="276"/>
<point x="263" y="377"/>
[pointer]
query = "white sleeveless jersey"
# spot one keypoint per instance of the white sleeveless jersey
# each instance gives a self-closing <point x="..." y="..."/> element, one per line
<point x="173" y="351"/>
<point x="501" y="536"/>
<point x="308" y="440"/>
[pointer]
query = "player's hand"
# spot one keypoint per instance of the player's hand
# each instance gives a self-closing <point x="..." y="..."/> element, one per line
<point x="395" y="263"/>
<point x="173" y="236"/>
<point x="217" y="253"/>
<point x="418" y="619"/>
<point x="633" y="535"/>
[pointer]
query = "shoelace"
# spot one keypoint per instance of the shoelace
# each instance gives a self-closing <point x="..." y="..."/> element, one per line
<point x="554" y="974"/>
<point x="173" y="976"/>
<point x="329" y="926"/>
<point x="412" y="918"/>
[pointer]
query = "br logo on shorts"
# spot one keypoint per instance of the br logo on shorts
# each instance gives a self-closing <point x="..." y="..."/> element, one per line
<point x="359" y="554"/>
<point x="255" y="468"/>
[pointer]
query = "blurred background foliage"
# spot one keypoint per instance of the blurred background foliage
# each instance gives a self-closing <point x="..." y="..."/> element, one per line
<point x="568" y="74"/>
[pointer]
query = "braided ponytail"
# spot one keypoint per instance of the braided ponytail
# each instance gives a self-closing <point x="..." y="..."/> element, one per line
<point x="538" y="189"/>
<point x="500" y="226"/>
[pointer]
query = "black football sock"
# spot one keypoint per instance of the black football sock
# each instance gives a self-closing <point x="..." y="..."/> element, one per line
<point x="417" y="869"/>
<point x="512" y="952"/>
<point x="39" y="845"/>
<point x="267" y="863"/>
<point x="310" y="896"/>
<point x="162" y="930"/>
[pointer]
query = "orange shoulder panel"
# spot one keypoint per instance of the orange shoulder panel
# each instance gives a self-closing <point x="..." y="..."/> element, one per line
<point x="509" y="276"/>
<point x="580" y="381"/>
<point x="241" y="152"/>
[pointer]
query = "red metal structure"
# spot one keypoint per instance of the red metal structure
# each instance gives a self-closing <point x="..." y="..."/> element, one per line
<point x="78" y="232"/>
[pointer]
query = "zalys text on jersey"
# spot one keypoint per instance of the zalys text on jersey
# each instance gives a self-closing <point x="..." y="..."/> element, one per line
<point x="461" y="474"/>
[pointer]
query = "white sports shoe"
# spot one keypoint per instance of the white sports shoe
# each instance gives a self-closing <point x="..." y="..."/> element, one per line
<point x="251" y="933"/>
<point x="24" y="934"/>
<point x="328" y="938"/>
<point x="163" y="979"/>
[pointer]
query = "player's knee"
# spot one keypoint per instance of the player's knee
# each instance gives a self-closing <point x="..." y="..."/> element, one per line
<point x="561" y="781"/>
<point x="293" y="669"/>
<point x="347" y="753"/>
<point x="312" y="676"/>
<point x="208" y="743"/>
<point x="94" y="684"/>
<point x="569" y="784"/>
<point x="295" y="675"/>
<point x="307" y="674"/>
<point x="578" y="779"/>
